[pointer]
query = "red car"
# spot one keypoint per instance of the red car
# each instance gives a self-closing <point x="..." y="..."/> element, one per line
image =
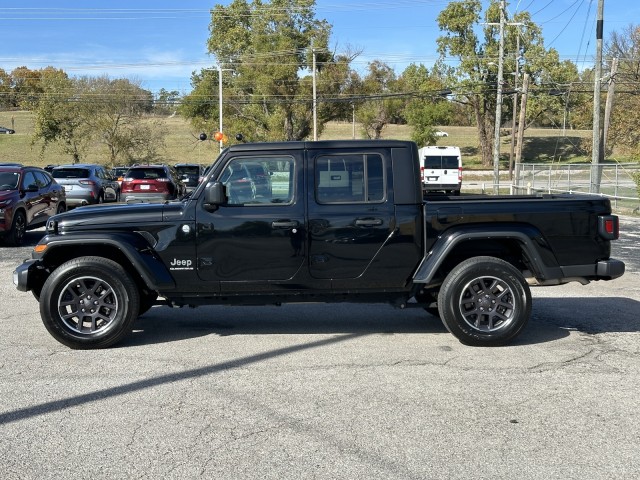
<point x="28" y="197"/>
<point x="151" y="183"/>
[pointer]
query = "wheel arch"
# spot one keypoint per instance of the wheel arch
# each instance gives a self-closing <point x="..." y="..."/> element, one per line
<point x="130" y="251"/>
<point x="522" y="246"/>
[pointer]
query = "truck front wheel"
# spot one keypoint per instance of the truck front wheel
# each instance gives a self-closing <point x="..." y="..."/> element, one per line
<point x="89" y="302"/>
<point x="484" y="301"/>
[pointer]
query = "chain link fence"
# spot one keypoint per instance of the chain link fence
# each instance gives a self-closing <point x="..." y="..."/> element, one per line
<point x="615" y="181"/>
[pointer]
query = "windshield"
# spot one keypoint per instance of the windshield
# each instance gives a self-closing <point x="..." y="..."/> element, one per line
<point x="9" y="180"/>
<point x="189" y="170"/>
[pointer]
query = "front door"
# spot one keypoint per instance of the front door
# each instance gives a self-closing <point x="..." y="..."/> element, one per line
<point x="259" y="236"/>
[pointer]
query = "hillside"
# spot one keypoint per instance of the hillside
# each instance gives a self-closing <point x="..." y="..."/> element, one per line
<point x="182" y="145"/>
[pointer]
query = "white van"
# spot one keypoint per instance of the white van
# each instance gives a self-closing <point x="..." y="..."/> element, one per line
<point x="441" y="169"/>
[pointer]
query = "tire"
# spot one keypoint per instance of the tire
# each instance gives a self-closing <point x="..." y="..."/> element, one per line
<point x="484" y="301"/>
<point x="100" y="198"/>
<point x="15" y="236"/>
<point x="96" y="284"/>
<point x="61" y="208"/>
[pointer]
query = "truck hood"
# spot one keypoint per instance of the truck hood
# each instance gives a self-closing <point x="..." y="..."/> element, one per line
<point x="117" y="216"/>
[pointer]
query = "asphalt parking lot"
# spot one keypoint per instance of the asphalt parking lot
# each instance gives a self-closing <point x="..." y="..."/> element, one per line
<point x="328" y="391"/>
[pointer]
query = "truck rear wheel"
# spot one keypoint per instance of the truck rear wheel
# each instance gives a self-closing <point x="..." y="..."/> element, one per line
<point x="484" y="301"/>
<point x="89" y="302"/>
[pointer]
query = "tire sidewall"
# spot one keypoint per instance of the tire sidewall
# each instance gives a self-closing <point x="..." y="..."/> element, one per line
<point x="451" y="291"/>
<point x="16" y="233"/>
<point x="104" y="269"/>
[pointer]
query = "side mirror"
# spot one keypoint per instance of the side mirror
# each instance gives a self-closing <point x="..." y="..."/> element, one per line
<point x="32" y="188"/>
<point x="214" y="196"/>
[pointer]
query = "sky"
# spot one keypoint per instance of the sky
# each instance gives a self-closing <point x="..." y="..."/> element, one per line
<point x="160" y="43"/>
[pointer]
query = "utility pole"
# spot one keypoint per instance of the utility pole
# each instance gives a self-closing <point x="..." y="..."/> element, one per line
<point x="609" y="105"/>
<point x="315" y="103"/>
<point x="496" y="139"/>
<point x="523" y="116"/>
<point x="220" y="102"/>
<point x="515" y="108"/>
<point x="595" y="147"/>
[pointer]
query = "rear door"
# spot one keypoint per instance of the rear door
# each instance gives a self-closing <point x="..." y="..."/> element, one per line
<point x="351" y="212"/>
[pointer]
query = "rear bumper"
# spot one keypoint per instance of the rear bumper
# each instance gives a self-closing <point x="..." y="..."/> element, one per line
<point x="610" y="269"/>
<point x="145" y="197"/>
<point x="441" y="186"/>
<point x="602" y="270"/>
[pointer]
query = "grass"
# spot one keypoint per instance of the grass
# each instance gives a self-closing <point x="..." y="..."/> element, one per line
<point x="182" y="145"/>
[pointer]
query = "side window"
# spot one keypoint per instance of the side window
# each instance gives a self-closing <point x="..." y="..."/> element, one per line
<point x="263" y="180"/>
<point x="349" y="178"/>
<point x="42" y="179"/>
<point x="28" y="180"/>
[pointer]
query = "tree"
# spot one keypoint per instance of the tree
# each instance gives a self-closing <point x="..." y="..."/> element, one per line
<point x="623" y="130"/>
<point x="265" y="51"/>
<point x="427" y="107"/>
<point x="5" y="89"/>
<point x="380" y="85"/>
<point x="76" y="113"/>
<point x="60" y="116"/>
<point x="166" y="102"/>
<point x="478" y="59"/>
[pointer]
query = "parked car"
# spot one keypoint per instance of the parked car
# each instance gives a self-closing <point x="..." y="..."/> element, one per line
<point x="440" y="133"/>
<point x="28" y="197"/>
<point x="152" y="183"/>
<point x="118" y="173"/>
<point x="8" y="131"/>
<point x="86" y="184"/>
<point x="261" y="176"/>
<point x="190" y="173"/>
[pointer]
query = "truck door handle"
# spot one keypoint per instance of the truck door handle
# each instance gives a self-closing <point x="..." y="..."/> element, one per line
<point x="285" y="224"/>
<point x="368" y="222"/>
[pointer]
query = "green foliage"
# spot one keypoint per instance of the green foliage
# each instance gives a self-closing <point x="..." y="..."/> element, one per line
<point x="430" y="106"/>
<point x="476" y="71"/>
<point x="77" y="113"/>
<point x="264" y="50"/>
<point x="623" y="131"/>
<point x="376" y="113"/>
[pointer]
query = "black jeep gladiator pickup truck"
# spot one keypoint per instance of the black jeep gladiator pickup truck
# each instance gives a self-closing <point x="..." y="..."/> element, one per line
<point x="329" y="221"/>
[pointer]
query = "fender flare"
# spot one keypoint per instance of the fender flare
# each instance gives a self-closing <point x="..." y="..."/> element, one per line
<point x="530" y="239"/>
<point x="132" y="245"/>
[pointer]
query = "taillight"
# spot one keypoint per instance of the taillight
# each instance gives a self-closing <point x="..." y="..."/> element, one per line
<point x="87" y="182"/>
<point x="460" y="174"/>
<point x="609" y="227"/>
<point x="422" y="173"/>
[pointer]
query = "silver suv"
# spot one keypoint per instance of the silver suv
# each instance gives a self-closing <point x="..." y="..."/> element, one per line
<point x="86" y="184"/>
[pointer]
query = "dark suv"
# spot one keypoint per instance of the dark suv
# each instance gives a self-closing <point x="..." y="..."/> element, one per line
<point x="28" y="197"/>
<point x="152" y="183"/>
<point x="190" y="173"/>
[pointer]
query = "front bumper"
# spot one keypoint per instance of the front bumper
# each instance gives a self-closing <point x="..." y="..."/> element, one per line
<point x="22" y="273"/>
